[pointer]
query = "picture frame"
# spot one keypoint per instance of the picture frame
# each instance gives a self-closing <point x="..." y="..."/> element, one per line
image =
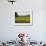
<point x="23" y="18"/>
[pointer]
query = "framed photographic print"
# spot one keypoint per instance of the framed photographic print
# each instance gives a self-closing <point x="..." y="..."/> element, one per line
<point x="23" y="18"/>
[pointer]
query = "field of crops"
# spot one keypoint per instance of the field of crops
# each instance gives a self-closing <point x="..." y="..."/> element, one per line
<point x="22" y="19"/>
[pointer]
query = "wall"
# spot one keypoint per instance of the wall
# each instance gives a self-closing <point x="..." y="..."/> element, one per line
<point x="9" y="31"/>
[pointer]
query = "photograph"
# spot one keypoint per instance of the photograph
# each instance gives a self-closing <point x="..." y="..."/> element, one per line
<point x="23" y="18"/>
